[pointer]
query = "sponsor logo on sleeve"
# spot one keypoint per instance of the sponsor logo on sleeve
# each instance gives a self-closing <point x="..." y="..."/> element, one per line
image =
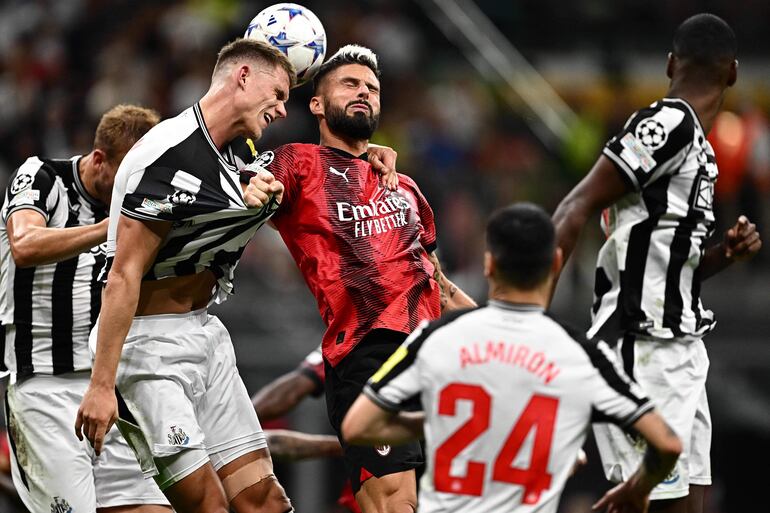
<point x="154" y="207"/>
<point x="635" y="154"/>
<point x="265" y="158"/>
<point x="25" y="197"/>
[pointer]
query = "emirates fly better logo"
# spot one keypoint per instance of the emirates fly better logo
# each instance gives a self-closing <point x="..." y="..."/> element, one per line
<point x="375" y="217"/>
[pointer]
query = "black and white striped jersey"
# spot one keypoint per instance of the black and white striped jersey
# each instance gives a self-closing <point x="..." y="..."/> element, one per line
<point x="647" y="278"/>
<point x="176" y="173"/>
<point x="508" y="395"/>
<point x="49" y="310"/>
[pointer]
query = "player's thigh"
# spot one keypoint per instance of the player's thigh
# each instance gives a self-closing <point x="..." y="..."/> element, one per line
<point x="251" y="486"/>
<point x="120" y="482"/>
<point x="225" y="411"/>
<point x="51" y="468"/>
<point x="391" y="493"/>
<point x="137" y="508"/>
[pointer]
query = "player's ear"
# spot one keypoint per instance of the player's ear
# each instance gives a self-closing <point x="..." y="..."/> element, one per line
<point x="316" y="106"/>
<point x="99" y="157"/>
<point x="243" y="73"/>
<point x="558" y="261"/>
<point x="670" y="65"/>
<point x="732" y="77"/>
<point x="489" y="264"/>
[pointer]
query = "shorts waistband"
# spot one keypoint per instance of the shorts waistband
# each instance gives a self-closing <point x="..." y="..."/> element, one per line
<point x="196" y="315"/>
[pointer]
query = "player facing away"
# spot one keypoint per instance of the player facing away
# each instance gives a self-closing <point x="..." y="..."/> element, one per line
<point x="54" y="224"/>
<point x="508" y="393"/>
<point x="179" y="221"/>
<point x="657" y="178"/>
<point x="367" y="254"/>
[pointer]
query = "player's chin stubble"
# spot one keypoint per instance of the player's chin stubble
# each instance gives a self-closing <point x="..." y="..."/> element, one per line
<point x="359" y="126"/>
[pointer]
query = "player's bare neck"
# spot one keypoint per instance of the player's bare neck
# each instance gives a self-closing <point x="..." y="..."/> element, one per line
<point x="217" y="116"/>
<point x="87" y="172"/>
<point x="538" y="296"/>
<point x="352" y="146"/>
<point x="705" y="100"/>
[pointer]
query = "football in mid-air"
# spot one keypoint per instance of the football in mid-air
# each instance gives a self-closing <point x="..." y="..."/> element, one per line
<point x="294" y="30"/>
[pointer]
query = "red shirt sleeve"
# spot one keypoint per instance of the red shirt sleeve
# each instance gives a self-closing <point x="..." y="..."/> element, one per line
<point x="282" y="163"/>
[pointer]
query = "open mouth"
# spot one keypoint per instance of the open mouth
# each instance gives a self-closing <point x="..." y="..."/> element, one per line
<point x="268" y="118"/>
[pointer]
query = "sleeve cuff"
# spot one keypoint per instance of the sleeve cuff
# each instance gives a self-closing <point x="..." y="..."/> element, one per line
<point x="644" y="408"/>
<point x="26" y="207"/>
<point x="626" y="172"/>
<point x="313" y="376"/>
<point x="379" y="401"/>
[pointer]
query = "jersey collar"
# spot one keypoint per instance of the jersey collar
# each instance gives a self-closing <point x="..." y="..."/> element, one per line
<point x="518" y="307"/>
<point x="363" y="156"/>
<point x="207" y="136"/>
<point x="79" y="184"/>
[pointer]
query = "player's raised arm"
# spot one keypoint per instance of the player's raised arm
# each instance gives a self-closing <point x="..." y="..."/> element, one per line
<point x="602" y="187"/>
<point x="383" y="160"/>
<point x="663" y="449"/>
<point x="137" y="245"/>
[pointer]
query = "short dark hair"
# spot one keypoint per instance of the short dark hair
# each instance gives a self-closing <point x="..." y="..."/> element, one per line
<point x="705" y="40"/>
<point x="522" y="239"/>
<point x="348" y="54"/>
<point x="120" y="127"/>
<point x="255" y="50"/>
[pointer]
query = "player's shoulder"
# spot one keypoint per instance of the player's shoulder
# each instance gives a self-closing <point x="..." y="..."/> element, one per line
<point x="408" y="181"/>
<point x="577" y="338"/>
<point x="36" y="168"/>
<point x="299" y="148"/>
<point x="160" y="139"/>
<point x="668" y="120"/>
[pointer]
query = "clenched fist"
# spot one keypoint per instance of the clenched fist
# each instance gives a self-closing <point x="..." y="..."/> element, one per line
<point x="260" y="188"/>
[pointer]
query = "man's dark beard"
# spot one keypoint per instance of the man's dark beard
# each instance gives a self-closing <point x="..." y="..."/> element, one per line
<point x="360" y="126"/>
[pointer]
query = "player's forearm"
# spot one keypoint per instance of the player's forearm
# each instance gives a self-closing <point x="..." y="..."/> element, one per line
<point x="119" y="302"/>
<point x="384" y="429"/>
<point x="456" y="298"/>
<point x="42" y="245"/>
<point x="291" y="445"/>
<point x="714" y="261"/>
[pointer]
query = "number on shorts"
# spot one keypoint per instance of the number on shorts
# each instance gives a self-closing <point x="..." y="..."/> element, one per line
<point x="539" y="414"/>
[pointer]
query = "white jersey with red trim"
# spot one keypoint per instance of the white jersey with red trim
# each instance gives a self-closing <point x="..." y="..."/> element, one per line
<point x="508" y="395"/>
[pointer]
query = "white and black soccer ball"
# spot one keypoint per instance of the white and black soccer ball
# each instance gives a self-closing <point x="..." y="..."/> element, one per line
<point x="651" y="133"/>
<point x="294" y="30"/>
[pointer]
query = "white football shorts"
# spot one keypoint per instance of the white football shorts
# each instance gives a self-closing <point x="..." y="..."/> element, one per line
<point x="51" y="468"/>
<point x="182" y="402"/>
<point x="673" y="374"/>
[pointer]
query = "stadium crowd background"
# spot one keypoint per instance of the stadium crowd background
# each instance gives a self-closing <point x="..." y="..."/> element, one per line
<point x="63" y="63"/>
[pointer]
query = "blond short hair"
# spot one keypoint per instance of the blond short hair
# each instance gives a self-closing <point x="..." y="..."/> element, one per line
<point x="120" y="127"/>
<point x="259" y="51"/>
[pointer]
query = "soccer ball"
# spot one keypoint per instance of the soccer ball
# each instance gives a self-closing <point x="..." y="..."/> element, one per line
<point x="294" y="30"/>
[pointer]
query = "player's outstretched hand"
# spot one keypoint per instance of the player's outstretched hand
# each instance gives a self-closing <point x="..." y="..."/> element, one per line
<point x="261" y="188"/>
<point x="742" y="241"/>
<point x="624" y="498"/>
<point x="97" y="413"/>
<point x="383" y="160"/>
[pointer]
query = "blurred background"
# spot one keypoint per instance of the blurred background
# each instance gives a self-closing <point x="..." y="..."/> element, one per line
<point x="487" y="103"/>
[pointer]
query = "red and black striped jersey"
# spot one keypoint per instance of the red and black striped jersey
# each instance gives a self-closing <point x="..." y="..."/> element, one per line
<point x="362" y="249"/>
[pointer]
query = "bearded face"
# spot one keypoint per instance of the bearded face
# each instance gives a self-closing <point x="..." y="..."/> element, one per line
<point x="355" y="120"/>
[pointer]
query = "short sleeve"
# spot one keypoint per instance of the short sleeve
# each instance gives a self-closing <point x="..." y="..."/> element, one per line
<point x="427" y="219"/>
<point x="398" y="380"/>
<point x="313" y="367"/>
<point x="31" y="186"/>
<point x="654" y="143"/>
<point x="615" y="397"/>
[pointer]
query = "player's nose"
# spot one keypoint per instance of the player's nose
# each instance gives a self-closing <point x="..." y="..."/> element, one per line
<point x="280" y="110"/>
